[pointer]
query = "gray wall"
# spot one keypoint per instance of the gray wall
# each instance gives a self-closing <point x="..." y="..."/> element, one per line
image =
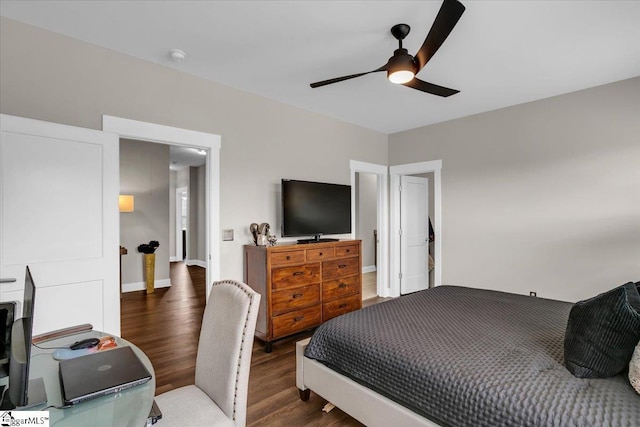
<point x="51" y="77"/>
<point x="542" y="196"/>
<point x="144" y="172"/>
<point x="367" y="211"/>
<point x="173" y="176"/>
<point x="197" y="220"/>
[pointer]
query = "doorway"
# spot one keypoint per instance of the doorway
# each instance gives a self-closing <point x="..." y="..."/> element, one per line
<point x="181" y="222"/>
<point x="366" y="230"/>
<point x="433" y="170"/>
<point x="211" y="143"/>
<point x="381" y="254"/>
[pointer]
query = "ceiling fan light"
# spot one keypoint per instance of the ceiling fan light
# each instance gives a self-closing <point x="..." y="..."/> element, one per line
<point x="401" y="68"/>
<point x="400" y="76"/>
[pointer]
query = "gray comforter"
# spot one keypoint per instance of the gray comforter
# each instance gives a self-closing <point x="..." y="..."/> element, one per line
<point x="470" y="357"/>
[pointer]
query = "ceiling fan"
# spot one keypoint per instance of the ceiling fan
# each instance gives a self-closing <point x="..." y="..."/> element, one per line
<point x="402" y="67"/>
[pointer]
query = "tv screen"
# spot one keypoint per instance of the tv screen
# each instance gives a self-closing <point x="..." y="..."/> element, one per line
<point x="315" y="208"/>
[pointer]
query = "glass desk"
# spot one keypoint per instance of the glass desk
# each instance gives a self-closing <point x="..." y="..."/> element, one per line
<point x="127" y="408"/>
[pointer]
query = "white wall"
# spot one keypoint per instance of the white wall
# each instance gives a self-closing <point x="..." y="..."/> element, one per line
<point x="144" y="172"/>
<point x="543" y="196"/>
<point x="182" y="177"/>
<point x="51" y="77"/>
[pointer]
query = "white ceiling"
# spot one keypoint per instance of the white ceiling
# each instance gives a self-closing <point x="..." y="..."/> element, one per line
<point x="501" y="53"/>
<point x="180" y="157"/>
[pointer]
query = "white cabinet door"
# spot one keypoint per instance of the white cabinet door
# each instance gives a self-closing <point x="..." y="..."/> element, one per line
<point x="414" y="241"/>
<point x="59" y="215"/>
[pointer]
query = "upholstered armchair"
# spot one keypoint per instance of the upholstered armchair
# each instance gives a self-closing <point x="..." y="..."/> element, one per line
<point x="219" y="395"/>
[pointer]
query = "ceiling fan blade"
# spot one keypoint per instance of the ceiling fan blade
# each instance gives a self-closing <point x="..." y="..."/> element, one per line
<point x="447" y="18"/>
<point x="430" y="88"/>
<point x="343" y="78"/>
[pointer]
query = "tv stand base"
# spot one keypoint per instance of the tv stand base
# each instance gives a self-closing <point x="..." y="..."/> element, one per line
<point x="316" y="239"/>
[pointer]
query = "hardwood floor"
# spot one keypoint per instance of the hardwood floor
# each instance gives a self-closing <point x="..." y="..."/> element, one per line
<point x="369" y="285"/>
<point x="166" y="325"/>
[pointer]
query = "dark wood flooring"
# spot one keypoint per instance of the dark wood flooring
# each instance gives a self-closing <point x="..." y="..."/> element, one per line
<point x="166" y="325"/>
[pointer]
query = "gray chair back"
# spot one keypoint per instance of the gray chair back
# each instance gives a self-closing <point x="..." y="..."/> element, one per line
<point x="225" y="346"/>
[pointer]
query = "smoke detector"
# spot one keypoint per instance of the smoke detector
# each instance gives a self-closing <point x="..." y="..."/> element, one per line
<point x="177" y="55"/>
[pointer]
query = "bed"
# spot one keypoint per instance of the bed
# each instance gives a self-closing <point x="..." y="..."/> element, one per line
<point x="455" y="356"/>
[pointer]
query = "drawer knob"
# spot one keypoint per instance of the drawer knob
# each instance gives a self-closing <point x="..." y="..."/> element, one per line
<point x="320" y="253"/>
<point x="288" y="256"/>
<point x="342" y="265"/>
<point x="342" y="285"/>
<point x="348" y="250"/>
<point x="297" y="319"/>
<point x="296" y="295"/>
<point x="298" y="273"/>
<point x="342" y="306"/>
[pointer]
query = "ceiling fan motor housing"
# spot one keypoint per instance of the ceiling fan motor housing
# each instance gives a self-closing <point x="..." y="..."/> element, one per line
<point x="401" y="62"/>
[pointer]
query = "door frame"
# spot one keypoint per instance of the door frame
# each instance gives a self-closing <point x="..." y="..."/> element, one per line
<point x="381" y="171"/>
<point x="395" y="172"/>
<point x="152" y="132"/>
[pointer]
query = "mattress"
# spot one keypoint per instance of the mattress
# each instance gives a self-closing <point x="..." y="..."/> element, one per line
<point x="469" y="357"/>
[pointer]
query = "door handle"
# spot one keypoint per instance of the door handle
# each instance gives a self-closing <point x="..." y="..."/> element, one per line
<point x="7" y="280"/>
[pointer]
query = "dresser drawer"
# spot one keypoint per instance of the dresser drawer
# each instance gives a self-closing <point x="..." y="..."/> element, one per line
<point x="296" y="321"/>
<point x="289" y="257"/>
<point x="320" y="254"/>
<point x="340" y="268"/>
<point x="340" y="306"/>
<point x="287" y="277"/>
<point x="347" y="250"/>
<point x="339" y="288"/>
<point x="294" y="298"/>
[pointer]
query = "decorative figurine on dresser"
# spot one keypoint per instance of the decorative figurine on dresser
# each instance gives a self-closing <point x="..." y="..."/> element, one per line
<point x="260" y="233"/>
<point x="302" y="285"/>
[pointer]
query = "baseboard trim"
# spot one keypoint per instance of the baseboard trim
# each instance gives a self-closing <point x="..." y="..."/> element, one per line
<point x="174" y="259"/>
<point x="141" y="286"/>
<point x="369" y="269"/>
<point x="197" y="262"/>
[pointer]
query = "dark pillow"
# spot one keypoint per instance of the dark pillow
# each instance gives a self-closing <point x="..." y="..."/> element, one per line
<point x="602" y="333"/>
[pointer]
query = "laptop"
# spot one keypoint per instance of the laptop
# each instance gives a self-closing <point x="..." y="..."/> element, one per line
<point x="99" y="374"/>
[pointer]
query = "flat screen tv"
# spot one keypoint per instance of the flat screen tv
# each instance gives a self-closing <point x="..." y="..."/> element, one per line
<point x="314" y="209"/>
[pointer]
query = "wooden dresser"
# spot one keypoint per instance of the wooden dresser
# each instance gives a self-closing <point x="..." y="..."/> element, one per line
<point x="303" y="285"/>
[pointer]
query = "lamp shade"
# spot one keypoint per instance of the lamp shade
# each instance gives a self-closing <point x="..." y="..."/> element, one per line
<point x="125" y="202"/>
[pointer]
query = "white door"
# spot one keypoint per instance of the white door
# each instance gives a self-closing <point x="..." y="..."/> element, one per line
<point x="59" y="215"/>
<point x="414" y="238"/>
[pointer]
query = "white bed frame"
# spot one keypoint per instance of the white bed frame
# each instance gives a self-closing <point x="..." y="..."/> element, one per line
<point x="363" y="404"/>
